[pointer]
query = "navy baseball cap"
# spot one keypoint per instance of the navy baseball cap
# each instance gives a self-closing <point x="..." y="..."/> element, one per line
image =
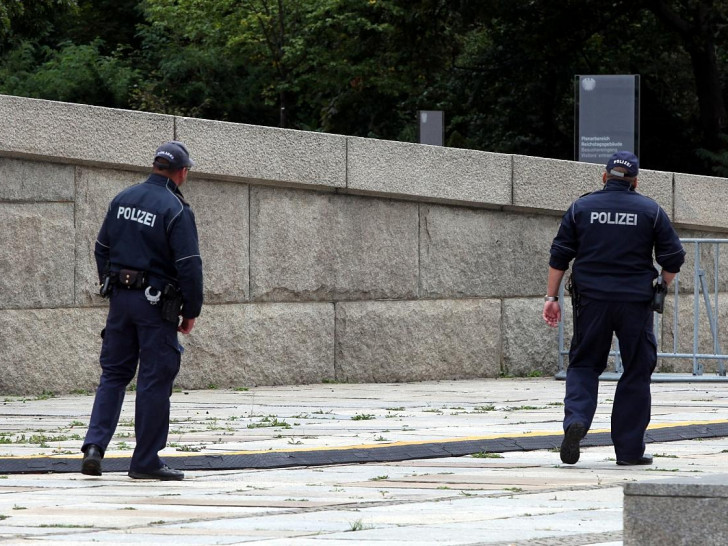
<point x="627" y="160"/>
<point x="176" y="153"/>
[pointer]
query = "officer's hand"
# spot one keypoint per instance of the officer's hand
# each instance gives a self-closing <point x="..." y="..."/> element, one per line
<point x="186" y="326"/>
<point x="552" y="313"/>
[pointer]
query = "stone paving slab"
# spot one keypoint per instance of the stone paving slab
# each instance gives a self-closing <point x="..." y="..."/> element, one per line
<point x="515" y="497"/>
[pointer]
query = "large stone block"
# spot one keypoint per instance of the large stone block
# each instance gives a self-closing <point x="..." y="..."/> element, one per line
<point x="318" y="246"/>
<point x="677" y="512"/>
<point x="50" y="350"/>
<point x="36" y="255"/>
<point x="95" y="190"/>
<point x="682" y="339"/>
<point x="469" y="252"/>
<point x="517" y="344"/>
<point x="221" y="213"/>
<point x="222" y="216"/>
<point x="710" y="257"/>
<point x="419" y="171"/>
<point x="386" y="341"/>
<point x="75" y="132"/>
<point x="253" y="153"/>
<point x="530" y="346"/>
<point x="22" y="180"/>
<point x="553" y="184"/>
<point x="700" y="200"/>
<point x="567" y="321"/>
<point x="658" y="186"/>
<point x="259" y="344"/>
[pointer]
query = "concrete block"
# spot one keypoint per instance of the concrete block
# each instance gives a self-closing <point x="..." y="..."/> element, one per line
<point x="36" y="255"/>
<point x="65" y="132"/>
<point x="222" y="216"/>
<point x="308" y="246"/>
<point x="530" y="346"/>
<point x="95" y="190"/>
<point x="685" y="335"/>
<point x="259" y="344"/>
<point x="221" y="213"/>
<point x="252" y="153"/>
<point x="665" y="332"/>
<point x="50" y="350"/>
<point x="658" y="186"/>
<point x="706" y="260"/>
<point x="677" y="512"/>
<point x="554" y="184"/>
<point x="35" y="181"/>
<point x="385" y="341"/>
<point x="419" y="171"/>
<point x="567" y="317"/>
<point x="468" y="252"/>
<point x="700" y="200"/>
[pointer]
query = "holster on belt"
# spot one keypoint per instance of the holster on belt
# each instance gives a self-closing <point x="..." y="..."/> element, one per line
<point x="575" y="303"/>
<point x="171" y="303"/>
<point x="659" y="292"/>
<point x="106" y="283"/>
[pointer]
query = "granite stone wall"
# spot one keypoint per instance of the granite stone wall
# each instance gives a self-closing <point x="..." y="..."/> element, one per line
<point x="326" y="258"/>
<point x="676" y="511"/>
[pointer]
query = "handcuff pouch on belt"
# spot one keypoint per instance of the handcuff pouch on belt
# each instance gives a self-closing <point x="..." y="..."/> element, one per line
<point x="127" y="278"/>
<point x="131" y="279"/>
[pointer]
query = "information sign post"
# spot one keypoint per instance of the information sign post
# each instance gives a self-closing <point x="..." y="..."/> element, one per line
<point x="606" y="116"/>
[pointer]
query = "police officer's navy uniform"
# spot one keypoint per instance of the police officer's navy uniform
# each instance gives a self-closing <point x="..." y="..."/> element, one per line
<point x="148" y="228"/>
<point x="611" y="234"/>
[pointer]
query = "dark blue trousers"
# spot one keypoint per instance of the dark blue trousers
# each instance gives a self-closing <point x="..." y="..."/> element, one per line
<point x="136" y="334"/>
<point x="594" y="325"/>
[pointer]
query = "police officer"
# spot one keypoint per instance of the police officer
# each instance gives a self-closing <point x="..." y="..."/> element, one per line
<point x="148" y="259"/>
<point x="611" y="235"/>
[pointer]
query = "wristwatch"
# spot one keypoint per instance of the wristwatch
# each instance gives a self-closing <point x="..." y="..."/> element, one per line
<point x="550" y="298"/>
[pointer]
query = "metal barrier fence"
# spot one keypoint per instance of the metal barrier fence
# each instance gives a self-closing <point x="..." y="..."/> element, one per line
<point x="711" y="305"/>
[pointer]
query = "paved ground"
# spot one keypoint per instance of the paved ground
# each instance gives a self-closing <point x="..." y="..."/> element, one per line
<point x="520" y="498"/>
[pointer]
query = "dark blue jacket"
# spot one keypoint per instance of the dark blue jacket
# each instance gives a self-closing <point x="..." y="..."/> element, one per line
<point x="150" y="227"/>
<point x="611" y="235"/>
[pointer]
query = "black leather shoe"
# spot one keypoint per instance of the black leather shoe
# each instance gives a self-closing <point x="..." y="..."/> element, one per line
<point x="164" y="473"/>
<point x="644" y="460"/>
<point x="91" y="465"/>
<point x="570" y="446"/>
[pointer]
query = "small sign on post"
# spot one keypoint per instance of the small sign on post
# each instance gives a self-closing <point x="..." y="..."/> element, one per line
<point x="432" y="127"/>
<point x="607" y="114"/>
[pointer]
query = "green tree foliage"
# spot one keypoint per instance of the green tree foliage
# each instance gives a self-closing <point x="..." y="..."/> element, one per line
<point x="700" y="27"/>
<point x="334" y="65"/>
<point x="516" y="69"/>
<point x="20" y="18"/>
<point x="72" y="73"/>
<point x="67" y="50"/>
<point x="502" y="70"/>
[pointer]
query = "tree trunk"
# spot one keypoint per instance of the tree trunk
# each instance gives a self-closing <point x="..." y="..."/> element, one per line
<point x="698" y="35"/>
<point x="708" y="88"/>
<point x="283" y="120"/>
